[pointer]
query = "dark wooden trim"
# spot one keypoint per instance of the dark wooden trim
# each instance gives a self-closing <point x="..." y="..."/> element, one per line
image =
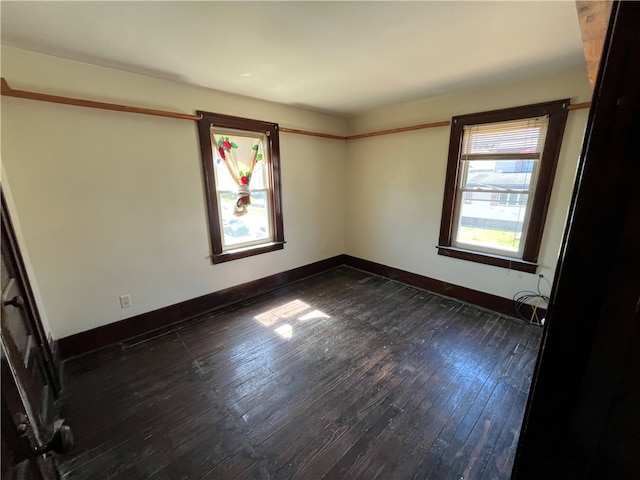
<point x="145" y="323"/>
<point x="488" y="259"/>
<point x="100" y="337"/>
<point x="246" y="252"/>
<point x="411" y="128"/>
<point x="557" y="112"/>
<point x="10" y="92"/>
<point x="312" y="134"/>
<point x="481" y="299"/>
<point x="209" y="180"/>
<point x="579" y="106"/>
<point x="451" y="181"/>
<point x="218" y="255"/>
<point x="276" y="187"/>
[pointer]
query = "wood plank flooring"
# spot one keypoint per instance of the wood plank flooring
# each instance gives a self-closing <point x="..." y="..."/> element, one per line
<point x="342" y="375"/>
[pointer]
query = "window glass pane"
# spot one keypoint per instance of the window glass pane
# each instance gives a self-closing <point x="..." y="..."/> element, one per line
<point x="224" y="180"/>
<point x="253" y="227"/>
<point x="259" y="176"/>
<point x="492" y="220"/>
<point x="498" y="174"/>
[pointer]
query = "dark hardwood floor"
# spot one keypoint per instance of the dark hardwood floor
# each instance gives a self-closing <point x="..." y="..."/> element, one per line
<point x="342" y="375"/>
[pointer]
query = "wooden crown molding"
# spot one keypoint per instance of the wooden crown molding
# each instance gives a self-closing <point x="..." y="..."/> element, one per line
<point x="7" y="91"/>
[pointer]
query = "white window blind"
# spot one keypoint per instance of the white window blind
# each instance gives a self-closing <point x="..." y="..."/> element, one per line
<point x="510" y="139"/>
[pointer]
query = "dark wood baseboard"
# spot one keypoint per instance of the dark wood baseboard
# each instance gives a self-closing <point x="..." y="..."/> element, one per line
<point x="156" y="320"/>
<point x="475" y="297"/>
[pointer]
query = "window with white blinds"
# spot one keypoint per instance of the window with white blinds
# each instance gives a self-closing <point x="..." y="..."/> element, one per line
<point x="498" y="185"/>
<point x="499" y="164"/>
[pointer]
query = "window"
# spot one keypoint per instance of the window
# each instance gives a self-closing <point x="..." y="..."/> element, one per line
<point x="498" y="185"/>
<point x="241" y="161"/>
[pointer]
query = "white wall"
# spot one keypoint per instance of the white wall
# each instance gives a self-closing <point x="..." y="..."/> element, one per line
<point x="112" y="203"/>
<point x="396" y="183"/>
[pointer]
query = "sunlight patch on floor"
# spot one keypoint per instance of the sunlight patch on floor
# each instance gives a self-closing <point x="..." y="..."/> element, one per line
<point x="276" y="315"/>
<point x="285" y="331"/>
<point x="271" y="317"/>
<point x="313" y="315"/>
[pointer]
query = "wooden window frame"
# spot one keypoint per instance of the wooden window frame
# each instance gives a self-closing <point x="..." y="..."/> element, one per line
<point x="557" y="112"/>
<point x="272" y="148"/>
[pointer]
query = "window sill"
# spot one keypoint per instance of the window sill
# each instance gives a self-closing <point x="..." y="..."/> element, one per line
<point x="238" y="253"/>
<point x="488" y="259"/>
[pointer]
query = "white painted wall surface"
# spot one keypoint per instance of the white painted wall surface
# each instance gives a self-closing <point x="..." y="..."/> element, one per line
<point x="112" y="203"/>
<point x="396" y="183"/>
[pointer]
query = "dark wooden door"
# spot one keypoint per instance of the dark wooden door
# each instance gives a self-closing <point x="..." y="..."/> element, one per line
<point x="583" y="415"/>
<point x="30" y="381"/>
<point x="21" y="431"/>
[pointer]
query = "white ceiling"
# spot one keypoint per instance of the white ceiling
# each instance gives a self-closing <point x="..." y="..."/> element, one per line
<point x="339" y="57"/>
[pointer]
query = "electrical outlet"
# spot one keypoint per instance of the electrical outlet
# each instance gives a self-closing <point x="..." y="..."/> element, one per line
<point x="324" y="248"/>
<point x="125" y="301"/>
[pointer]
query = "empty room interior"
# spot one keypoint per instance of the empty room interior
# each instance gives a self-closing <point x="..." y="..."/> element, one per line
<point x="286" y="239"/>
